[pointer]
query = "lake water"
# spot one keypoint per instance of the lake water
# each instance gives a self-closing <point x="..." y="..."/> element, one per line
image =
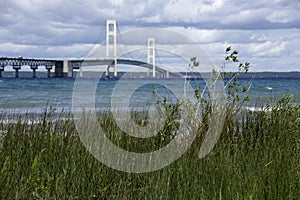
<point x="25" y="95"/>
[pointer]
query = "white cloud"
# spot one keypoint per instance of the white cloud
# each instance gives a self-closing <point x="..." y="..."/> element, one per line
<point x="16" y="49"/>
<point x="284" y="15"/>
<point x="244" y="17"/>
<point x="151" y="19"/>
<point x="267" y="49"/>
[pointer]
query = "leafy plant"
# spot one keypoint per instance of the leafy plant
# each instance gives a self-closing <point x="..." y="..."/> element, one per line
<point x="237" y="93"/>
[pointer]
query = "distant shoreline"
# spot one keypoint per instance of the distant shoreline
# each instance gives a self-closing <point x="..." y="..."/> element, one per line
<point x="142" y="75"/>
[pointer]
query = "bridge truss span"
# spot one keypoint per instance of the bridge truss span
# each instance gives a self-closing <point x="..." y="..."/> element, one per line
<point x="33" y="63"/>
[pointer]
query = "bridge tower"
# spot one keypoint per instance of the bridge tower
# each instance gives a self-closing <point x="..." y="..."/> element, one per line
<point x="151" y="54"/>
<point x="111" y="42"/>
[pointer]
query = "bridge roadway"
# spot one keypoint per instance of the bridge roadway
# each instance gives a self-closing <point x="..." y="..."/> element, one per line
<point x="95" y="62"/>
<point x="58" y="65"/>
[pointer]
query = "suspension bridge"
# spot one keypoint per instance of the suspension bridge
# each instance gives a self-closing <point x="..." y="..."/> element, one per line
<point x="66" y="67"/>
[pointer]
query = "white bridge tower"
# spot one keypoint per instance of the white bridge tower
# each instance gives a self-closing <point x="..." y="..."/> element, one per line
<point x="111" y="45"/>
<point x="151" y="54"/>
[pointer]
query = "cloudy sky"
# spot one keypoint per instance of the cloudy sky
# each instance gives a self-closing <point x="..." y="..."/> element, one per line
<point x="266" y="32"/>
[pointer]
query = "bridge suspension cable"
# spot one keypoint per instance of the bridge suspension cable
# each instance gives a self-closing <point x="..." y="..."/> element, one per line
<point x="143" y="54"/>
<point x="127" y="52"/>
<point x="97" y="41"/>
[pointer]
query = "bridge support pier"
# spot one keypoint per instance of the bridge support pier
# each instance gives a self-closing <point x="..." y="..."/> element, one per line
<point x="17" y="68"/>
<point x="167" y="74"/>
<point x="80" y="71"/>
<point x="49" y="71"/>
<point x="107" y="71"/>
<point x="67" y="69"/>
<point x="58" y="69"/>
<point x="34" y="73"/>
<point x="115" y="73"/>
<point x="1" y="70"/>
<point x="34" y="68"/>
<point x="52" y="71"/>
<point x="74" y="66"/>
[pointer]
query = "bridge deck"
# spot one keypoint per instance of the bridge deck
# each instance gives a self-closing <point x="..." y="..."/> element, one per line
<point x="20" y="61"/>
<point x="95" y="62"/>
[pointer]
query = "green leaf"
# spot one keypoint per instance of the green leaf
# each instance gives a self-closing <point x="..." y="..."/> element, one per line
<point x="235" y="59"/>
<point x="235" y="52"/>
<point x="228" y="49"/>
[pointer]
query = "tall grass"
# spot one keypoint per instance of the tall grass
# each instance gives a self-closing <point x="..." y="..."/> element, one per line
<point x="257" y="157"/>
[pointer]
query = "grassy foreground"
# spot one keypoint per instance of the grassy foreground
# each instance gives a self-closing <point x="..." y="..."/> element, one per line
<point x="257" y="157"/>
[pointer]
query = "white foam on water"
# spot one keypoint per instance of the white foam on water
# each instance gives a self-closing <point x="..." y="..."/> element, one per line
<point x="257" y="109"/>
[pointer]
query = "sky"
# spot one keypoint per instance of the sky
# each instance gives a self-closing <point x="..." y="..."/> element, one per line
<point x="265" y="32"/>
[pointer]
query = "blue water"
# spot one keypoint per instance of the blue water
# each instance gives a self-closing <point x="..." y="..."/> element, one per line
<point x="273" y="89"/>
<point x="34" y="95"/>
